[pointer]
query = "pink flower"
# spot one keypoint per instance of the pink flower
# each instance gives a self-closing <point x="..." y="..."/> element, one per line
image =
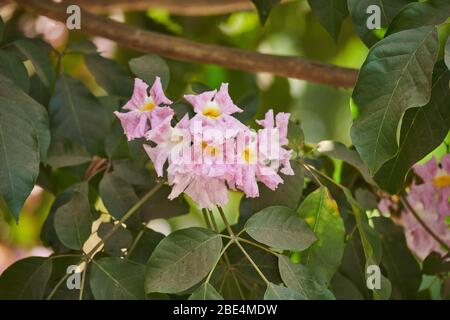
<point x="144" y="109"/>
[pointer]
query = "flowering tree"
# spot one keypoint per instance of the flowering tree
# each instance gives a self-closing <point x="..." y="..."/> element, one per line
<point x="256" y="211"/>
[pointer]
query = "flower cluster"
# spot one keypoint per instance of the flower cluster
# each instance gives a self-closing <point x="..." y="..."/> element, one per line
<point x="211" y="152"/>
<point x="430" y="200"/>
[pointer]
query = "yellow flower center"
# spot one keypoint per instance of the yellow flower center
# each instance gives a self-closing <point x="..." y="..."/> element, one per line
<point x="212" y="110"/>
<point x="211" y="150"/>
<point x="442" y="181"/>
<point x="248" y="156"/>
<point x="148" y="105"/>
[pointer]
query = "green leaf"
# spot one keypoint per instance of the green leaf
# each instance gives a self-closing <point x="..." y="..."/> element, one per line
<point x="344" y="289"/>
<point x="279" y="292"/>
<point x="117" y="195"/>
<point x="26" y="279"/>
<point x="76" y="115"/>
<point x="264" y="7"/>
<point x="423" y="129"/>
<point x="149" y="67"/>
<point x="35" y="112"/>
<point x="205" y="292"/>
<point x="120" y="239"/>
<point x="109" y="75"/>
<point x="435" y="264"/>
<point x="358" y="11"/>
<point x="321" y="213"/>
<point x="60" y="268"/>
<point x="287" y="194"/>
<point x="301" y="279"/>
<point x="296" y="136"/>
<point x="33" y="51"/>
<point x="250" y="103"/>
<point x="117" y="279"/>
<point x="371" y="244"/>
<point x="19" y="155"/>
<point x="395" y="76"/>
<point x="418" y="14"/>
<point x="331" y="14"/>
<point x="281" y="228"/>
<point x="145" y="245"/>
<point x="13" y="68"/>
<point x="66" y="154"/>
<point x="402" y="268"/>
<point x="447" y="53"/>
<point x="2" y="29"/>
<point x="340" y="151"/>
<point x="73" y="221"/>
<point x="182" y="260"/>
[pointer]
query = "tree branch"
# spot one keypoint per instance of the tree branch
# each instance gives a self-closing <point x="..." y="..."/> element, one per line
<point x="186" y="50"/>
<point x="176" y="7"/>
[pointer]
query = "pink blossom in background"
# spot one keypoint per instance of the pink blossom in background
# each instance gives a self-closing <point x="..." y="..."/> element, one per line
<point x="53" y="32"/>
<point x="8" y="255"/>
<point x="430" y="200"/>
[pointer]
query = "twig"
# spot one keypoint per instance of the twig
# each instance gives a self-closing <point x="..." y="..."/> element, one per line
<point x="186" y="50"/>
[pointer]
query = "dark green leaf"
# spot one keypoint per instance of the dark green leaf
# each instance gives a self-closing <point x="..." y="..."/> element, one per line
<point x="13" y="68"/>
<point x="281" y="228"/>
<point x="287" y="194"/>
<point x="205" y="292"/>
<point x="340" y="151"/>
<point x="109" y="75"/>
<point x="301" y="279"/>
<point x="19" y="155"/>
<point x="76" y="114"/>
<point x="323" y="258"/>
<point x="331" y="14"/>
<point x="2" y="29"/>
<point x="66" y="154"/>
<point x="35" y="112"/>
<point x="147" y="242"/>
<point x="395" y="76"/>
<point x="358" y="11"/>
<point x="63" y="266"/>
<point x="422" y="130"/>
<point x="73" y="221"/>
<point x="418" y="14"/>
<point x="117" y="279"/>
<point x="371" y="244"/>
<point x="131" y="172"/>
<point x="435" y="264"/>
<point x="250" y="104"/>
<point x="402" y="268"/>
<point x="40" y="59"/>
<point x="182" y="260"/>
<point x="264" y="7"/>
<point x="296" y="136"/>
<point x="117" y="195"/>
<point x="344" y="289"/>
<point x="149" y="67"/>
<point x="26" y="279"/>
<point x="279" y="292"/>
<point x="121" y="239"/>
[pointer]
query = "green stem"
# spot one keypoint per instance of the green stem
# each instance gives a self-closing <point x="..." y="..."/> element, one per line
<point x="213" y="220"/>
<point x="83" y="279"/>
<point x="135" y="242"/>
<point x="218" y="259"/>
<point x="257" y="245"/>
<point x="205" y="217"/>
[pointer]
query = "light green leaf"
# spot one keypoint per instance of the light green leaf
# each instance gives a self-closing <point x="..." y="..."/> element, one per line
<point x="423" y="129"/>
<point x="35" y="52"/>
<point x="264" y="7"/>
<point x="281" y="228"/>
<point x="371" y="243"/>
<point x="19" y="155"/>
<point x="26" y="279"/>
<point x="358" y="11"/>
<point x="75" y="114"/>
<point x="117" y="195"/>
<point x="279" y="292"/>
<point x="321" y="213"/>
<point x="331" y="14"/>
<point x="73" y="221"/>
<point x="109" y="75"/>
<point x="13" y="68"/>
<point x="447" y="53"/>
<point x="301" y="279"/>
<point x="205" y="292"/>
<point x="182" y="260"/>
<point x="117" y="279"/>
<point x="418" y="14"/>
<point x="149" y="67"/>
<point x="395" y="76"/>
<point x="340" y="151"/>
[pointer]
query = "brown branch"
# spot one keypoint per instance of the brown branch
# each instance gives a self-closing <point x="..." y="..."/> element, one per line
<point x="176" y="7"/>
<point x="186" y="50"/>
